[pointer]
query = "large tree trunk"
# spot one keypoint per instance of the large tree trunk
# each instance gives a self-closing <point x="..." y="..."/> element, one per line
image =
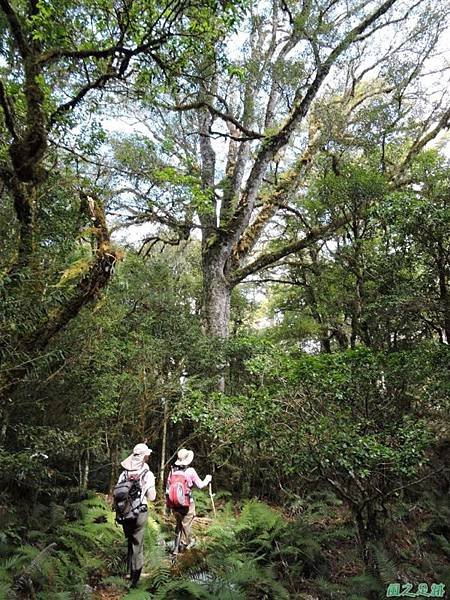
<point x="216" y="297"/>
<point x="25" y="205"/>
<point x="216" y="309"/>
<point x="216" y="288"/>
<point x="216" y="303"/>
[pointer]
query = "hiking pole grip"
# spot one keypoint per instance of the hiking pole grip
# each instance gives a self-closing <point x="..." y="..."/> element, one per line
<point x="212" y="498"/>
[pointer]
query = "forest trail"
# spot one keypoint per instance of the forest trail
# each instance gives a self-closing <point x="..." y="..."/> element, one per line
<point x="232" y="537"/>
<point x="164" y="524"/>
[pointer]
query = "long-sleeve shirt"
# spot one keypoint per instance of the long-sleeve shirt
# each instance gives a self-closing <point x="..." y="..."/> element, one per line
<point x="193" y="478"/>
<point x="147" y="480"/>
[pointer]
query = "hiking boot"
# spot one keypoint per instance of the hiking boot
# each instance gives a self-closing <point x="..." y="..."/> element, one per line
<point x="191" y="544"/>
<point x="135" y="575"/>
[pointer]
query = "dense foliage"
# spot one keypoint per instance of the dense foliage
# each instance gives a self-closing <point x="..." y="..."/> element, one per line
<point x="254" y="264"/>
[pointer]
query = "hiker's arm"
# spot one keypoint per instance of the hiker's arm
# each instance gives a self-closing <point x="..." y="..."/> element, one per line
<point x="150" y="492"/>
<point x="198" y="482"/>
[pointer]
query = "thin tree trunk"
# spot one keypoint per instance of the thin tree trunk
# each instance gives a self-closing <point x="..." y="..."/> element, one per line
<point x="444" y="294"/>
<point x="341" y="337"/>
<point x="163" y="453"/>
<point x="84" y="471"/>
<point x="114" y="457"/>
<point x="4" y="414"/>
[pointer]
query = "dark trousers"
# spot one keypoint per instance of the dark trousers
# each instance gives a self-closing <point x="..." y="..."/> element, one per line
<point x="134" y="530"/>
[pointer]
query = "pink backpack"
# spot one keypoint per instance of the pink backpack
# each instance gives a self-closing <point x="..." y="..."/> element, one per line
<point x="178" y="493"/>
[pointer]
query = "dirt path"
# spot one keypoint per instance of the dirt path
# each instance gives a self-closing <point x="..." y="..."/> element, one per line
<point x="105" y="592"/>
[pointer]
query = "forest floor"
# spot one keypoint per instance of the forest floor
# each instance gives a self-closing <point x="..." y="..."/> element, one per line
<point x="341" y="556"/>
<point x="325" y="543"/>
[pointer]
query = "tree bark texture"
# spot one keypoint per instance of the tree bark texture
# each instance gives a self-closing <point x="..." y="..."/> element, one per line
<point x="216" y="300"/>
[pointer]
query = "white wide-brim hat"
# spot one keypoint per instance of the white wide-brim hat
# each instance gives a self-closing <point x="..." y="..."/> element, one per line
<point x="135" y="461"/>
<point x="185" y="457"/>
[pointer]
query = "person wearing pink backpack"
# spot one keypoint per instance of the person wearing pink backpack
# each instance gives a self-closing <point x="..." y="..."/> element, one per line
<point x="179" y="498"/>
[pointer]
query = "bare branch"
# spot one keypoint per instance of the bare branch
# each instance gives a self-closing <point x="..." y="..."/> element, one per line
<point x="249" y="133"/>
<point x="274" y="143"/>
<point x="149" y="243"/>
<point x="390" y="22"/>
<point x="420" y="143"/>
<point x="67" y="106"/>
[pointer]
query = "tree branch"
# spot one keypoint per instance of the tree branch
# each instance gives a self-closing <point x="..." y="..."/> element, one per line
<point x="420" y="143"/>
<point x="111" y="51"/>
<point x="100" y="271"/>
<point x="97" y="84"/>
<point x="5" y="103"/>
<point x="269" y="258"/>
<point x="249" y="133"/>
<point x="277" y="197"/>
<point x="272" y="144"/>
<point x="15" y="27"/>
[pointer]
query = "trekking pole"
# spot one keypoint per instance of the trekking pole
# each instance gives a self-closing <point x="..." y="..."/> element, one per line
<point x="212" y="499"/>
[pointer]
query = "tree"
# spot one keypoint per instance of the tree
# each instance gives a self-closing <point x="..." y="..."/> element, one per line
<point x="365" y="424"/>
<point x="262" y="107"/>
<point x="382" y="280"/>
<point x="58" y="61"/>
<point x="422" y="235"/>
<point x="113" y="376"/>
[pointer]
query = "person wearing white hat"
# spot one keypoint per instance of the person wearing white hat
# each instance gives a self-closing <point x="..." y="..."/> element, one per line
<point x="135" y="467"/>
<point x="185" y="516"/>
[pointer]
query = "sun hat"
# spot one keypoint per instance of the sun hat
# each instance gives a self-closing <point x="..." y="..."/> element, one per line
<point x="184" y="457"/>
<point x="135" y="461"/>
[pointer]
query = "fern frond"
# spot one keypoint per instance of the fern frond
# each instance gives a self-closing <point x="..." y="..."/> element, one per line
<point x="386" y="565"/>
<point x="442" y="543"/>
<point x="364" y="585"/>
<point x="6" y="591"/>
<point x="330" y="590"/>
<point x="159" y="577"/>
<point x="176" y="589"/>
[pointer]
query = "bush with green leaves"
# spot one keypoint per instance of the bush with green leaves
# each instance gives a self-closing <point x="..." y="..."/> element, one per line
<point x="362" y="423"/>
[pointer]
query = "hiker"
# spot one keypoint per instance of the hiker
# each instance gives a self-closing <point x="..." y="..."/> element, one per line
<point x="184" y="509"/>
<point x="134" y="523"/>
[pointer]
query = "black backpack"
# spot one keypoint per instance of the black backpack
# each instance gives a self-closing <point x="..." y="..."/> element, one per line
<point x="127" y="498"/>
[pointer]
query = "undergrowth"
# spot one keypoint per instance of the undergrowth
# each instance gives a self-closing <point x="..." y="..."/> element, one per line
<point x="64" y="552"/>
<point x="248" y="552"/>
